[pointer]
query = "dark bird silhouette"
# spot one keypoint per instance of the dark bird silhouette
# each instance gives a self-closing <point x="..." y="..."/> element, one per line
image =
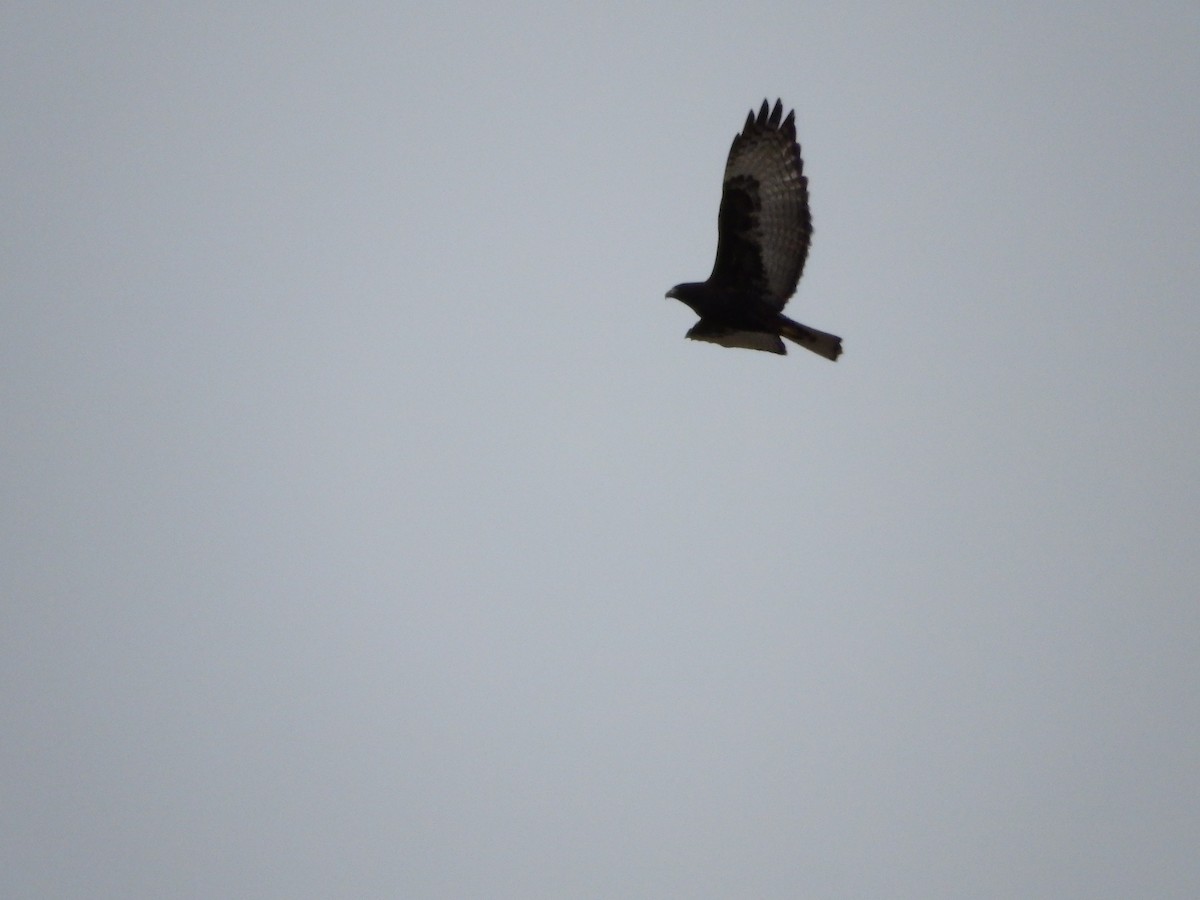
<point x="763" y="232"/>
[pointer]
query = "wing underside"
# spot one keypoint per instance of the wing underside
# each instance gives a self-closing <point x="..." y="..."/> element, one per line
<point x="734" y="337"/>
<point x="764" y="226"/>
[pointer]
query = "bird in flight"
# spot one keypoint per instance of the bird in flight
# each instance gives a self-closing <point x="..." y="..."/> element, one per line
<point x="763" y="232"/>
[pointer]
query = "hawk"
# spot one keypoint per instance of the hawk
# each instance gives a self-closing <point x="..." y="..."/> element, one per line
<point x="763" y="232"/>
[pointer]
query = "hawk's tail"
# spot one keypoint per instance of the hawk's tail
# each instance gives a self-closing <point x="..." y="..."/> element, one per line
<point x="826" y="345"/>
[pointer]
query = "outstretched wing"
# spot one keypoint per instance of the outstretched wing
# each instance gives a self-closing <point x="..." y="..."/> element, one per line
<point x="764" y="227"/>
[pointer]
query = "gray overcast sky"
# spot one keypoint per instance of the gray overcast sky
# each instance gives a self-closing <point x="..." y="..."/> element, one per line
<point x="369" y="528"/>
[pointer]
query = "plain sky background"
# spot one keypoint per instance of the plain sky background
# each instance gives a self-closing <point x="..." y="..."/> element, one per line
<point x="369" y="529"/>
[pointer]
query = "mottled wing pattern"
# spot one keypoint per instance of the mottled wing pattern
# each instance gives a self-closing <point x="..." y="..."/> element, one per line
<point x="764" y="226"/>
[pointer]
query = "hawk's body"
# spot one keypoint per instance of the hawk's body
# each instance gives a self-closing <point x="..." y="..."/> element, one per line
<point x="763" y="232"/>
